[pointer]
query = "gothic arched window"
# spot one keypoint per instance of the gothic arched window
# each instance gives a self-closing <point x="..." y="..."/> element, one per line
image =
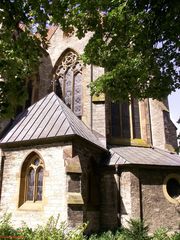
<point x="31" y="186"/>
<point x="68" y="76"/>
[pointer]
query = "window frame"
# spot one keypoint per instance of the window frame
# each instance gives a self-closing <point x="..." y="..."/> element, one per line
<point x="23" y="190"/>
<point x="69" y="62"/>
<point x="32" y="166"/>
<point x="132" y="121"/>
<point x="175" y="176"/>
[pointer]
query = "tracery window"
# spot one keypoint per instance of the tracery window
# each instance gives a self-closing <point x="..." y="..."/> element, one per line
<point x="34" y="181"/>
<point x="31" y="186"/>
<point x="68" y="76"/>
<point x="125" y="120"/>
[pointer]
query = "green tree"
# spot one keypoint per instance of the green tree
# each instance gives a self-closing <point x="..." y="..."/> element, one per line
<point x="136" y="41"/>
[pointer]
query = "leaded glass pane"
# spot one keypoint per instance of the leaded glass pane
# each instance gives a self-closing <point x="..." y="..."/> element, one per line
<point x="78" y="94"/>
<point x="120" y="120"/>
<point x="69" y="82"/>
<point x="39" y="184"/>
<point x="30" y="185"/>
<point x="68" y="87"/>
<point x="136" y="119"/>
<point x="36" y="162"/>
<point x="115" y="120"/>
<point x="125" y="120"/>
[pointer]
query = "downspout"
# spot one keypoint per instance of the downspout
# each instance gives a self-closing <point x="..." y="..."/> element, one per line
<point x="150" y="123"/>
<point x="91" y="106"/>
<point x="118" y="174"/>
<point x="140" y="200"/>
<point x="2" y="171"/>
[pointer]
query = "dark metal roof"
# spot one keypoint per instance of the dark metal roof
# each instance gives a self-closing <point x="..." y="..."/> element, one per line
<point x="47" y="118"/>
<point x="143" y="156"/>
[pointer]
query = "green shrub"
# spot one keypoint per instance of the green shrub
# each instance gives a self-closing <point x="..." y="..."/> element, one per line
<point x="161" y="234"/>
<point x="103" y="236"/>
<point x="54" y="230"/>
<point x="137" y="230"/>
<point x="175" y="236"/>
<point x="6" y="228"/>
<point x="51" y="231"/>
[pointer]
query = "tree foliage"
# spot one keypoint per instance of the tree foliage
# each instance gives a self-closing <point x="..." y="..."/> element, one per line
<point x="136" y="41"/>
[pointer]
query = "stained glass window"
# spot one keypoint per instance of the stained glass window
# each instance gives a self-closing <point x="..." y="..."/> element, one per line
<point x="30" y="184"/>
<point x="39" y="183"/>
<point x="69" y="81"/>
<point x="34" y="180"/>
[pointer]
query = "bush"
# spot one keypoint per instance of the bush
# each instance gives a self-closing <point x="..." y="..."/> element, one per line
<point x="137" y="230"/>
<point x="54" y="230"/>
<point x="161" y="234"/>
<point x="6" y="228"/>
<point x="175" y="236"/>
<point x="51" y="231"/>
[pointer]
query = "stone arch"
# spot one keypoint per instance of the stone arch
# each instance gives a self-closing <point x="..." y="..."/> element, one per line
<point x="33" y="161"/>
<point x="62" y="56"/>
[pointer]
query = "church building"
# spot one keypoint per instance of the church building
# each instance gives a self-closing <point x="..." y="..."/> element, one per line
<point x="85" y="157"/>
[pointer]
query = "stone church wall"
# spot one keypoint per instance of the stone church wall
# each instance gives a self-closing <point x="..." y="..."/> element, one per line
<point x="159" y="126"/>
<point x="157" y="210"/>
<point x="54" y="187"/>
<point x="90" y="158"/>
<point x="109" y="201"/>
<point x="93" y="115"/>
<point x="141" y="196"/>
<point x="148" y="199"/>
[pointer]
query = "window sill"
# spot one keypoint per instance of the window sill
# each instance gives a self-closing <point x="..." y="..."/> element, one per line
<point x="128" y="141"/>
<point x="31" y="206"/>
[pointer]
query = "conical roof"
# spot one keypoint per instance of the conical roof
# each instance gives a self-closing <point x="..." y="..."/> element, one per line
<point x="47" y="118"/>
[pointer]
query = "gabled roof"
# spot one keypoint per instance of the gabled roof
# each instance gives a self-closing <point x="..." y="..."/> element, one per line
<point x="143" y="156"/>
<point x="47" y="118"/>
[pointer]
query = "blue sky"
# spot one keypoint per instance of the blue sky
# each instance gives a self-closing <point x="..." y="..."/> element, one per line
<point x="174" y="106"/>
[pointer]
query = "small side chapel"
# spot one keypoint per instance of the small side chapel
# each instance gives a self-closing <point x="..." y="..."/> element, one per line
<point x="84" y="157"/>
